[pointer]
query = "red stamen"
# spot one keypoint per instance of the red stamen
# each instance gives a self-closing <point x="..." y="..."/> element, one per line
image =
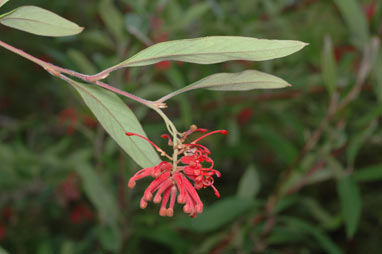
<point x="182" y="192"/>
<point x="148" y="194"/>
<point x="190" y="205"/>
<point x="200" y="148"/>
<point x="164" y="186"/>
<point x="139" y="175"/>
<point x="152" y="143"/>
<point x="223" y="132"/>
<point x="166" y="196"/>
<point x="217" y="194"/>
<point x="166" y="136"/>
<point x="192" y="129"/>
<point x="143" y="203"/>
<point x="192" y="192"/>
<point x="170" y="210"/>
<point x="161" y="167"/>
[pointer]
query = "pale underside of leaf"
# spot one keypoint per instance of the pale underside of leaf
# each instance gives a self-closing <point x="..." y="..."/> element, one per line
<point x="117" y="119"/>
<point x="39" y="21"/>
<point x="213" y="49"/>
<point x="2" y="2"/>
<point x="241" y="81"/>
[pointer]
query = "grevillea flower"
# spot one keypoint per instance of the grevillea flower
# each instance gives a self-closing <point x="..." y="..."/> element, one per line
<point x="179" y="180"/>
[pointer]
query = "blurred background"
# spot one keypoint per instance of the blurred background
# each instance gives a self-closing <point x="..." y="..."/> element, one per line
<point x="301" y="166"/>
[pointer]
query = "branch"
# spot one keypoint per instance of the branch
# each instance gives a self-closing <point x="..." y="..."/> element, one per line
<point x="57" y="72"/>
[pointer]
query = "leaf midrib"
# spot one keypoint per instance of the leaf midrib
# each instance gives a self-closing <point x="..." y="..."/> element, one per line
<point x="36" y="21"/>
<point x="127" y="63"/>
<point x="234" y="83"/>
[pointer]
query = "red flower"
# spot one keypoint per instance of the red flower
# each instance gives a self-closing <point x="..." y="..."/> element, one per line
<point x="69" y="189"/>
<point x="244" y="116"/>
<point x="369" y="10"/>
<point x="80" y="213"/>
<point x="173" y="180"/>
<point x="89" y="121"/>
<point x="163" y="65"/>
<point x="69" y="118"/>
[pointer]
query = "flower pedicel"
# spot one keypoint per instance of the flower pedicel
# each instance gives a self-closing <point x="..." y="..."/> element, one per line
<point x="173" y="180"/>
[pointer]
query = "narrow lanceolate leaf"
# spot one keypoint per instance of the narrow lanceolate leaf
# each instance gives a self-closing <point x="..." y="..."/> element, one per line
<point x="213" y="49"/>
<point x="216" y="215"/>
<point x="351" y="204"/>
<point x="2" y="2"/>
<point x="241" y="81"/>
<point x="319" y="236"/>
<point x="117" y="119"/>
<point x="249" y="184"/>
<point x="369" y="174"/>
<point x="355" y="19"/>
<point x="356" y="143"/>
<point x="39" y="21"/>
<point x="98" y="193"/>
<point x="328" y="66"/>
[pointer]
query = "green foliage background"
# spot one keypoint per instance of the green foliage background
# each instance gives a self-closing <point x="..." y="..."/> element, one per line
<point x="63" y="181"/>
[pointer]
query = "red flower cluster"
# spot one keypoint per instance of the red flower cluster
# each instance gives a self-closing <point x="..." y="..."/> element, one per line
<point x="173" y="180"/>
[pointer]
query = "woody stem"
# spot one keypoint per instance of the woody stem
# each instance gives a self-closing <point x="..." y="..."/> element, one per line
<point x="57" y="71"/>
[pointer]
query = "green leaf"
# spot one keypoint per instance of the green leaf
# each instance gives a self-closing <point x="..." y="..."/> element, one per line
<point x="2" y="2"/>
<point x="166" y="236"/>
<point x="284" y="149"/>
<point x="320" y="214"/>
<point x="110" y="237"/>
<point x="355" y="19"/>
<point x="324" y="241"/>
<point x="377" y="76"/>
<point x="67" y="247"/>
<point x="82" y="62"/>
<point x="359" y="140"/>
<point x="249" y="184"/>
<point x="351" y="203"/>
<point x="215" y="216"/>
<point x="328" y="66"/>
<point x="210" y="242"/>
<point x="241" y="81"/>
<point x="3" y="251"/>
<point x="39" y="21"/>
<point x="138" y="26"/>
<point x="113" y="19"/>
<point x="284" y="235"/>
<point x="286" y="202"/>
<point x="196" y="11"/>
<point x="213" y="49"/>
<point x="369" y="174"/>
<point x="117" y="119"/>
<point x="97" y="37"/>
<point x="98" y="193"/>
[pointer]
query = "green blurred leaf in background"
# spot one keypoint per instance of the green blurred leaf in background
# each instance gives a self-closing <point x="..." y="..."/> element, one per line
<point x="249" y="184"/>
<point x="351" y="204"/>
